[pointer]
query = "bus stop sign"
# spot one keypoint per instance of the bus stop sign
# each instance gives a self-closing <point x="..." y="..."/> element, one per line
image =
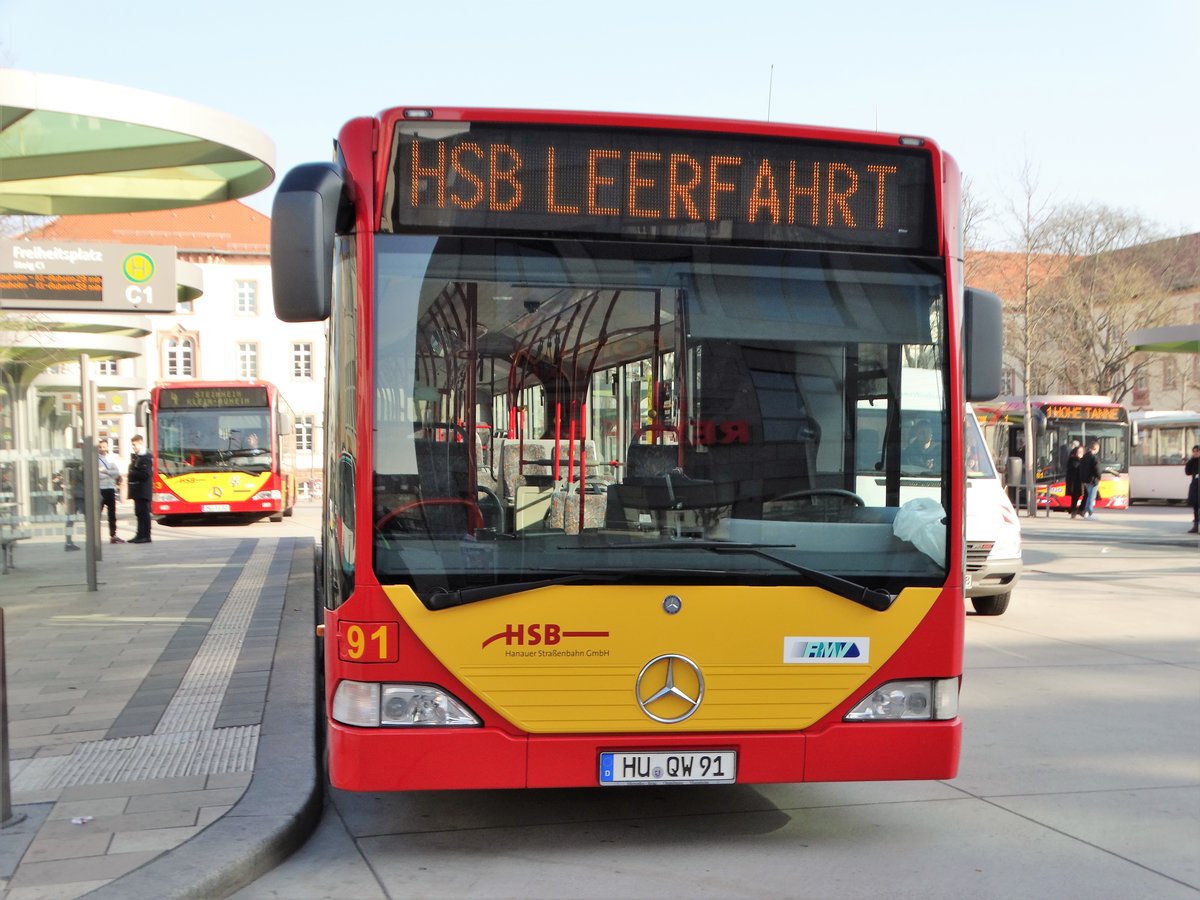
<point x="107" y="278"/>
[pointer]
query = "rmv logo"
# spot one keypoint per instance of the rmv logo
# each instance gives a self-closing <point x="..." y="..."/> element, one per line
<point x="854" y="650"/>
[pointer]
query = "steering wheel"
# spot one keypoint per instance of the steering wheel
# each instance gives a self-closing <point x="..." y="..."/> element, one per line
<point x="474" y="514"/>
<point x="848" y="496"/>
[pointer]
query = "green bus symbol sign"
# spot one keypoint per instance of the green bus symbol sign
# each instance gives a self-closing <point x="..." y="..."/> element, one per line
<point x="138" y="268"/>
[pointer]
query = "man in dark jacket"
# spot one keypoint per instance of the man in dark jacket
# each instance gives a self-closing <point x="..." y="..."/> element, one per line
<point x="140" y="479"/>
<point x="1089" y="474"/>
<point x="1074" y="483"/>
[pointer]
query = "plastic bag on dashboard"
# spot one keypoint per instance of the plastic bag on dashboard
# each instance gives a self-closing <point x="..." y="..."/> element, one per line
<point x="922" y="522"/>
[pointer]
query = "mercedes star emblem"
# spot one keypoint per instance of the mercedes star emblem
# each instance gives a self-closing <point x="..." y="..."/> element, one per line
<point x="667" y="682"/>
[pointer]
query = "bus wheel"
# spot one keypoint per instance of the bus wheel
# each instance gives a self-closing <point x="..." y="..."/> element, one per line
<point x="991" y="606"/>
<point x="277" y="517"/>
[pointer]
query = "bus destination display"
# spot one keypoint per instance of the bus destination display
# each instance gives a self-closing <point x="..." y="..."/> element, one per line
<point x="213" y="398"/>
<point x="661" y="185"/>
<point x="1101" y="413"/>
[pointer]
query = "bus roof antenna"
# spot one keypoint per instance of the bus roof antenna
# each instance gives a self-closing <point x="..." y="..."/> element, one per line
<point x="770" y="85"/>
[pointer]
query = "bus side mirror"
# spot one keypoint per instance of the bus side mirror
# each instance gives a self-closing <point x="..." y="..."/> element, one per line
<point x="304" y="219"/>
<point x="983" y="335"/>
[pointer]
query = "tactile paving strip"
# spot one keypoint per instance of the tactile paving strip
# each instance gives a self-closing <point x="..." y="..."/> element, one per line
<point x="184" y="742"/>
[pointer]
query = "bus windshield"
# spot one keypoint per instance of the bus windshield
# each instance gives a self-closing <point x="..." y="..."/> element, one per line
<point x="1054" y="445"/>
<point x="213" y="441"/>
<point x="547" y="408"/>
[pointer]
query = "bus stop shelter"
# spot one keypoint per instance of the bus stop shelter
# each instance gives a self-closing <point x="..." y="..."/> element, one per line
<point x="1169" y="339"/>
<point x="69" y="146"/>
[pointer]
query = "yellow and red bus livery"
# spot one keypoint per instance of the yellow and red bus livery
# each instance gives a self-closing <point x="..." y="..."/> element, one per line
<point x="595" y="424"/>
<point x="222" y="449"/>
<point x="1060" y="421"/>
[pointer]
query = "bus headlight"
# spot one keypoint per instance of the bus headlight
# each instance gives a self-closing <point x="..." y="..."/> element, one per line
<point x="924" y="699"/>
<point x="371" y="705"/>
<point x="268" y="495"/>
<point x="164" y="498"/>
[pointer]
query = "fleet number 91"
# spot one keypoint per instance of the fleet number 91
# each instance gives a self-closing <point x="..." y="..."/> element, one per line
<point x="369" y="642"/>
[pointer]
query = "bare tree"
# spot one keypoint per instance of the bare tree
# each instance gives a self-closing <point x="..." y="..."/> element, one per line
<point x="1119" y="280"/>
<point x="976" y="214"/>
<point x="1030" y="332"/>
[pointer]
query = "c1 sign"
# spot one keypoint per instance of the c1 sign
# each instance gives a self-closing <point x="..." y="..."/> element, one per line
<point x="41" y="275"/>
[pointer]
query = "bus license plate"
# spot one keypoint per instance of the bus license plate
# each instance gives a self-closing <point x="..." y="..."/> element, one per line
<point x="215" y="507"/>
<point x="686" y="767"/>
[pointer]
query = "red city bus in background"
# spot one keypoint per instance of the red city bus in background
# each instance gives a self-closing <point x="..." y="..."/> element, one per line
<point x="222" y="448"/>
<point x="593" y="443"/>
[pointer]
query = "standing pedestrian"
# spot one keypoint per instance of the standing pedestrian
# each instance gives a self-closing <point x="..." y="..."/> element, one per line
<point x="140" y="480"/>
<point x="73" y="478"/>
<point x="1074" y="481"/>
<point x="1089" y="474"/>
<point x="110" y="481"/>
<point x="1192" y="468"/>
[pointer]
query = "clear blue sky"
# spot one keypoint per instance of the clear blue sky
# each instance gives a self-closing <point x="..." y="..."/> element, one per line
<point x="1100" y="97"/>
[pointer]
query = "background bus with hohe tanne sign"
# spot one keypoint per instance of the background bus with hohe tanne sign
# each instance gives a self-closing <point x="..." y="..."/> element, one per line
<point x="1059" y="421"/>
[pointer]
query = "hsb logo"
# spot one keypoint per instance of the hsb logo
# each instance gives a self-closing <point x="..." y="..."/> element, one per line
<point x="547" y="635"/>
<point x="528" y="635"/>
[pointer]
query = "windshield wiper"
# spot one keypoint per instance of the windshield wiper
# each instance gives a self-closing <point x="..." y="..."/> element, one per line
<point x="444" y="599"/>
<point x="880" y="601"/>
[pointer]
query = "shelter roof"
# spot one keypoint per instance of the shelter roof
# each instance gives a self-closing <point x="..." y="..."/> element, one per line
<point x="71" y="146"/>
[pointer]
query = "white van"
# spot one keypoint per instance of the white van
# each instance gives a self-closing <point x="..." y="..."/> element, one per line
<point x="993" y="529"/>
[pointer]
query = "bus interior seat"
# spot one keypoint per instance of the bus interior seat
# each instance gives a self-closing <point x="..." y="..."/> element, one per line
<point x="436" y="498"/>
<point x="650" y="462"/>
<point x="531" y="462"/>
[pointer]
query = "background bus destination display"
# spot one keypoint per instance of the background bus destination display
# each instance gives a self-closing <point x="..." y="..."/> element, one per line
<point x="661" y="185"/>
<point x="213" y="398"/>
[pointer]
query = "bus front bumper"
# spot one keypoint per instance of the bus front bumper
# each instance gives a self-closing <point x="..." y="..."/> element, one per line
<point x="364" y="759"/>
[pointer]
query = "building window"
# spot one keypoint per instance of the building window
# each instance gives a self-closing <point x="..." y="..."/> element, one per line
<point x="184" y="307"/>
<point x="179" y="357"/>
<point x="247" y="297"/>
<point x="1141" y="391"/>
<point x="106" y="367"/>
<point x="302" y="365"/>
<point x="247" y="359"/>
<point x="1008" y="382"/>
<point x="304" y="433"/>
<point x="1170" y="375"/>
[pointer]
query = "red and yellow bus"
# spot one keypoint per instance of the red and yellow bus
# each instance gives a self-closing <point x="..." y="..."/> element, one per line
<point x="222" y="448"/>
<point x="1059" y="421"/>
<point x="593" y="443"/>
